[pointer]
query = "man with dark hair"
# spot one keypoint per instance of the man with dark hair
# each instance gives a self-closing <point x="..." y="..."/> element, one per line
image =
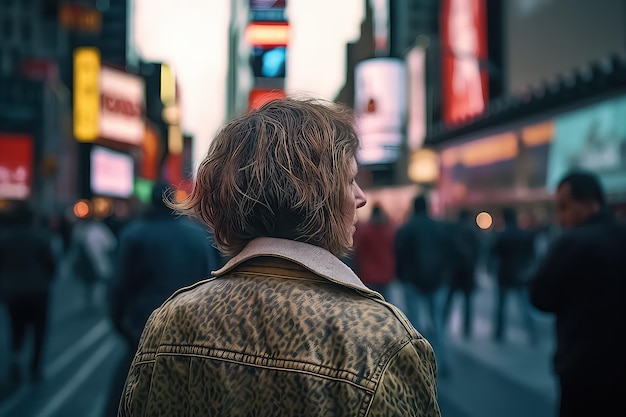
<point x="158" y="254"/>
<point x="582" y="280"/>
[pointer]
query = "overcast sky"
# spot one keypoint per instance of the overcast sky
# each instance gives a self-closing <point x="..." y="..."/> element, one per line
<point x="191" y="35"/>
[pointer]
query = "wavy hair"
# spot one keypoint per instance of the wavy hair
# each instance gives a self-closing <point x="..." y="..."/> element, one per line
<point x="282" y="171"/>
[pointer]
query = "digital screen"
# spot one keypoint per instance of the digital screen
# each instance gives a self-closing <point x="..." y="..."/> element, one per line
<point x="268" y="4"/>
<point x="380" y="107"/>
<point x="269" y="63"/>
<point x="112" y="173"/>
<point x="16" y="166"/>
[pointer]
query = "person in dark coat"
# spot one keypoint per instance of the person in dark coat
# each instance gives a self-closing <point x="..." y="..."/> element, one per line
<point x="423" y="265"/>
<point x="27" y="270"/>
<point x="582" y="280"/>
<point x="465" y="251"/>
<point x="514" y="253"/>
<point x="158" y="254"/>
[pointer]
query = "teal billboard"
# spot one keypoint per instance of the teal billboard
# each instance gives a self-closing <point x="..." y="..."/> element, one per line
<point x="594" y="139"/>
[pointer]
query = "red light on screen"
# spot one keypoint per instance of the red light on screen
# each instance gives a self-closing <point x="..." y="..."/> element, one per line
<point x="268" y="34"/>
<point x="258" y="98"/>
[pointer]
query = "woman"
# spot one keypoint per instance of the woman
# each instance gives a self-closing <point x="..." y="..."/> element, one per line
<point x="284" y="328"/>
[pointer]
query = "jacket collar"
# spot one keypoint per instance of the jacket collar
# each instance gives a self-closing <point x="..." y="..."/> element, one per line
<point x="311" y="257"/>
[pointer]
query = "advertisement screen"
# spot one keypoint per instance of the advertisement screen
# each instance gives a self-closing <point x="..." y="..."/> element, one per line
<point x="259" y="97"/>
<point x="593" y="139"/>
<point x="270" y="62"/>
<point x="267" y="4"/>
<point x="16" y="166"/>
<point x="112" y="173"/>
<point x="464" y="48"/>
<point x="121" y="106"/>
<point x="380" y="104"/>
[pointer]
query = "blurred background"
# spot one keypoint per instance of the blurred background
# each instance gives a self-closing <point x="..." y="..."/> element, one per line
<point x="480" y="105"/>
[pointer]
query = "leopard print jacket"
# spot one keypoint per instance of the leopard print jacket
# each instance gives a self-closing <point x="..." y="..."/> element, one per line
<point x="284" y="329"/>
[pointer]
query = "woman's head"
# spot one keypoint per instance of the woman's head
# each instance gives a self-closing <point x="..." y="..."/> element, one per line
<point x="285" y="170"/>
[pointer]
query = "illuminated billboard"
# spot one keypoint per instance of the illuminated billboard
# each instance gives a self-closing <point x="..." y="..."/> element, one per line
<point x="259" y="97"/>
<point x="267" y="4"/>
<point x="122" y="106"/>
<point x="267" y="34"/>
<point x="112" y="173"/>
<point x="270" y="62"/>
<point x="380" y="104"/>
<point x="16" y="166"/>
<point x="594" y="139"/>
<point x="86" y="93"/>
<point x="464" y="51"/>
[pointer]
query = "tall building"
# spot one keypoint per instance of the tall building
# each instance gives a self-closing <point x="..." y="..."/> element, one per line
<point x="34" y="104"/>
<point x="239" y="75"/>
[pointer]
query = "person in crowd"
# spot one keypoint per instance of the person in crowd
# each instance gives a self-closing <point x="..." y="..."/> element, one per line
<point x="158" y="254"/>
<point x="513" y="252"/>
<point x="423" y="264"/>
<point x="27" y="270"/>
<point x="285" y="327"/>
<point x="465" y="253"/>
<point x="373" y="250"/>
<point x="91" y="258"/>
<point x="582" y="280"/>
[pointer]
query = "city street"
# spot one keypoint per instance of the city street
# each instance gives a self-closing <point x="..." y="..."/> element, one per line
<point x="486" y="379"/>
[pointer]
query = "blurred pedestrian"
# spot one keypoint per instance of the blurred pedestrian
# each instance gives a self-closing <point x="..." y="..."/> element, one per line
<point x="91" y="258"/>
<point x="582" y="280"/>
<point x="423" y="265"/>
<point x="513" y="253"/>
<point x="27" y="269"/>
<point x="464" y="251"/>
<point x="285" y="328"/>
<point x="158" y="254"/>
<point x="373" y="252"/>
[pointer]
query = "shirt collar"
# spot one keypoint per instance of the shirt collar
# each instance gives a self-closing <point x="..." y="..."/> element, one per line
<point x="311" y="257"/>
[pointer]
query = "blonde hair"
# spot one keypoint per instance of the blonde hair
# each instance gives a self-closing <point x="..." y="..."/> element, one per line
<point x="283" y="171"/>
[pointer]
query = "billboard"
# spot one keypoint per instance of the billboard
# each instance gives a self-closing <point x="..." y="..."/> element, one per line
<point x="121" y="107"/>
<point x="416" y="123"/>
<point x="86" y="93"/>
<point x="594" y="139"/>
<point x="465" y="79"/>
<point x="267" y="34"/>
<point x="112" y="173"/>
<point x="267" y="4"/>
<point x="269" y="62"/>
<point x="16" y="166"/>
<point x="259" y="97"/>
<point x="380" y="105"/>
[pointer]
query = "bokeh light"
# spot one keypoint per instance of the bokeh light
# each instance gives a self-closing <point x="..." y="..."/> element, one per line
<point x="82" y="208"/>
<point x="484" y="220"/>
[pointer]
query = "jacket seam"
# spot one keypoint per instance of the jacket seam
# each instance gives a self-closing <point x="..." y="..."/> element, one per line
<point x="266" y="363"/>
<point x="398" y="349"/>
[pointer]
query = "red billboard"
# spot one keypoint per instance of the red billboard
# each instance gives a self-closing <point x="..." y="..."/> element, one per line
<point x="464" y="54"/>
<point x="16" y="166"/>
<point x="259" y="97"/>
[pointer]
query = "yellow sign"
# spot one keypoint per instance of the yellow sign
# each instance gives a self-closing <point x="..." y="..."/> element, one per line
<point x="86" y="93"/>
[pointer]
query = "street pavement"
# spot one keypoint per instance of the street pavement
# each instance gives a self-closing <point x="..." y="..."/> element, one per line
<point x="511" y="379"/>
<point x="486" y="379"/>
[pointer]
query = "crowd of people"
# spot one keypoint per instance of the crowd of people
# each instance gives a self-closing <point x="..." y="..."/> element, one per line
<point x="269" y="297"/>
